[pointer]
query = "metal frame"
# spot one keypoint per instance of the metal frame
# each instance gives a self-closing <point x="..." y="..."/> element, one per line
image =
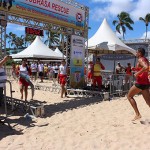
<point x="65" y="31"/>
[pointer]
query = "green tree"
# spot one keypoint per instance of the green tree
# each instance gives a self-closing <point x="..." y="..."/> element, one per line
<point x="146" y="20"/>
<point x="53" y="38"/>
<point x="10" y="37"/>
<point x="28" y="39"/>
<point x="124" y="21"/>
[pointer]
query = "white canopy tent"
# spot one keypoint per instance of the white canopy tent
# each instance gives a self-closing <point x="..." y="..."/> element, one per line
<point x="37" y="50"/>
<point x="59" y="52"/>
<point x="105" y="41"/>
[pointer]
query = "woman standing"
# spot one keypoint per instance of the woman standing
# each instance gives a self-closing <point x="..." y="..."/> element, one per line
<point x="142" y="82"/>
<point x="23" y="84"/>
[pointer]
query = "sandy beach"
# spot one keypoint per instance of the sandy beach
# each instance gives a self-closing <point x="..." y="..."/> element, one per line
<point x="77" y="124"/>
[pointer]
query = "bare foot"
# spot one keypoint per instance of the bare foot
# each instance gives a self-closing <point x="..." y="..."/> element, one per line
<point x="137" y="117"/>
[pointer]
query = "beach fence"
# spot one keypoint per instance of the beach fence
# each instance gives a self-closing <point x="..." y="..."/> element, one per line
<point x="112" y="85"/>
<point x="117" y="84"/>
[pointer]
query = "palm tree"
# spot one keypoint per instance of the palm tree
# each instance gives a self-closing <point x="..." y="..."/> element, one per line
<point x="123" y="22"/>
<point x="28" y="39"/>
<point x="53" y="38"/>
<point x="10" y="37"/>
<point x="146" y="20"/>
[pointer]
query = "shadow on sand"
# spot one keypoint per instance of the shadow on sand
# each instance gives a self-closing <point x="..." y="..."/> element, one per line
<point x="66" y="105"/>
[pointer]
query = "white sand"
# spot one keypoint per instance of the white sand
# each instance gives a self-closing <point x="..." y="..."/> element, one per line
<point x="78" y="124"/>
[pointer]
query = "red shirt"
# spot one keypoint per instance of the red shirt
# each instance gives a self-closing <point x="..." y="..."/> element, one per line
<point x="143" y="77"/>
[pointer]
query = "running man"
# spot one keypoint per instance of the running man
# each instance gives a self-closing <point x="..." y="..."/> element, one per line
<point x="141" y="84"/>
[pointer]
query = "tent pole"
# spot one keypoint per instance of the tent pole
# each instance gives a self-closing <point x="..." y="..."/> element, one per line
<point x="134" y="60"/>
<point x="114" y="61"/>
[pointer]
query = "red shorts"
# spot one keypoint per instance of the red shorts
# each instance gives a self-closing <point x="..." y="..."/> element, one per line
<point x="62" y="79"/>
<point x="98" y="80"/>
<point x="23" y="82"/>
<point x="90" y="75"/>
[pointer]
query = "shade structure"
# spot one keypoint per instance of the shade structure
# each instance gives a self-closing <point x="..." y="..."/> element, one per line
<point x="105" y="41"/>
<point x="37" y="50"/>
<point x="59" y="52"/>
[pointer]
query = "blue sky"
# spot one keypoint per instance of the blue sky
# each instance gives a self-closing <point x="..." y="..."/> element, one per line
<point x="100" y="9"/>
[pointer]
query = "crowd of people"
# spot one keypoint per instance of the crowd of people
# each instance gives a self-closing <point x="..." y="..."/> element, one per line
<point x="38" y="69"/>
<point x="34" y="70"/>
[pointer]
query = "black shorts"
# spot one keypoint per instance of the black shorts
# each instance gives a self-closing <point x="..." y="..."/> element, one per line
<point x="33" y="73"/>
<point x="41" y="74"/>
<point x="142" y="86"/>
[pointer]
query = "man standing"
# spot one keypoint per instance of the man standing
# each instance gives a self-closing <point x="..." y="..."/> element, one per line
<point x="34" y="71"/>
<point x="119" y="68"/>
<point x="97" y="78"/>
<point x="40" y="70"/>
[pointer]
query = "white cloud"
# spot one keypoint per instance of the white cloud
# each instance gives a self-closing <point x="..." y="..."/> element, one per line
<point x="16" y="27"/>
<point x="136" y="9"/>
<point x="141" y="9"/>
<point x="103" y="1"/>
<point x="111" y="8"/>
<point x="144" y="34"/>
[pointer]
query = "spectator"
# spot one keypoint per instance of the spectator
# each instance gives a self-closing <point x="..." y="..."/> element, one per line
<point x="56" y="68"/>
<point x="33" y="71"/>
<point x="128" y="71"/>
<point x="2" y="77"/>
<point x="119" y="68"/>
<point x="40" y="70"/>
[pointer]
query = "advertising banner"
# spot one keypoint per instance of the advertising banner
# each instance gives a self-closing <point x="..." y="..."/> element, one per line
<point x="52" y="11"/>
<point x="77" y="61"/>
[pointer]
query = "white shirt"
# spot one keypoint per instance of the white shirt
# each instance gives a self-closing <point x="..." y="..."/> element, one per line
<point x="23" y="69"/>
<point x="2" y="77"/>
<point x="33" y="67"/>
<point x="62" y="69"/>
<point x="56" y="68"/>
<point x="40" y="67"/>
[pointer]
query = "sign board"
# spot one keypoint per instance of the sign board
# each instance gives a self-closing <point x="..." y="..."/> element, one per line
<point x="77" y="61"/>
<point x="51" y="11"/>
<point x="33" y="31"/>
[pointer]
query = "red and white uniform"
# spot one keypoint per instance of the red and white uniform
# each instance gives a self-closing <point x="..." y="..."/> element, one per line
<point x="23" y="69"/>
<point x="62" y="74"/>
<point x="90" y="71"/>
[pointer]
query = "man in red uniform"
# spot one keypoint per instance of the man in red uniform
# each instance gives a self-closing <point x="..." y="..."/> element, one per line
<point x="142" y="82"/>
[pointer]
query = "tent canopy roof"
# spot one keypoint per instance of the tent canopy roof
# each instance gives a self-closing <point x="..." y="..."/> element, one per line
<point x="105" y="41"/>
<point x="37" y="50"/>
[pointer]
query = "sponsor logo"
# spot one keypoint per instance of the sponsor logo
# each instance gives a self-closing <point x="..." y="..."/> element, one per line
<point x="79" y="17"/>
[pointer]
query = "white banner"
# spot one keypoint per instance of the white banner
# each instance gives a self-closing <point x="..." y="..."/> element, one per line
<point x="77" y="61"/>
